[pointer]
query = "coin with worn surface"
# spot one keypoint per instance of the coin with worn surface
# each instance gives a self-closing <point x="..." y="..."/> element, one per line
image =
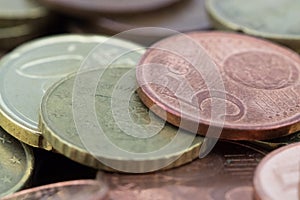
<point x="124" y="145"/>
<point x="16" y="164"/>
<point x="278" y="174"/>
<point x="184" y="16"/>
<point x="92" y="8"/>
<point x="260" y="84"/>
<point x="28" y="71"/>
<point x="259" y="18"/>
<point x="79" y="189"/>
<point x="226" y="173"/>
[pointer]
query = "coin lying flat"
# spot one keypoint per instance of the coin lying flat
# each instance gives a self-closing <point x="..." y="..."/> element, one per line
<point x="260" y="84"/>
<point x="16" y="164"/>
<point x="226" y="173"/>
<point x="91" y="8"/>
<point x="27" y="72"/>
<point x="79" y="189"/>
<point x="278" y="174"/>
<point x="259" y="18"/>
<point x="123" y="146"/>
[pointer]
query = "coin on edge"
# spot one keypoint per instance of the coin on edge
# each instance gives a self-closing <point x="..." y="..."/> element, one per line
<point x="159" y="151"/>
<point x="261" y="85"/>
<point x="17" y="162"/>
<point x="28" y="71"/>
<point x="259" y="18"/>
<point x="278" y="174"/>
<point x="78" y="189"/>
<point x="226" y="173"/>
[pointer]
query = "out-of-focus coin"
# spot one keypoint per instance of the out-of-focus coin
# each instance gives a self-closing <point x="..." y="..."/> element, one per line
<point x="267" y="18"/>
<point x="21" y="11"/>
<point x="278" y="174"/>
<point x="27" y="72"/>
<point x="16" y="164"/>
<point x="118" y="148"/>
<point x="91" y="8"/>
<point x="260" y="84"/>
<point x="76" y="190"/>
<point x="184" y="16"/>
<point x="226" y="173"/>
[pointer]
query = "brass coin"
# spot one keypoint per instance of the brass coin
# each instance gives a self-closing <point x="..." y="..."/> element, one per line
<point x="16" y="164"/>
<point x="145" y="154"/>
<point x="261" y="84"/>
<point x="275" y="20"/>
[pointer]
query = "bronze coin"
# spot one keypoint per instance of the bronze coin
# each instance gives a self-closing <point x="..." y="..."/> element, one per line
<point x="278" y="174"/>
<point x="226" y="173"/>
<point x="79" y="189"/>
<point x="90" y="8"/>
<point x="260" y="84"/>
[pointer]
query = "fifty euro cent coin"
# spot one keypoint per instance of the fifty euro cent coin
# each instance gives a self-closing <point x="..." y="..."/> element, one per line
<point x="16" y="163"/>
<point x="28" y="71"/>
<point x="278" y="174"/>
<point x="117" y="149"/>
<point x="260" y="84"/>
<point x="275" y="20"/>
<point x="226" y="173"/>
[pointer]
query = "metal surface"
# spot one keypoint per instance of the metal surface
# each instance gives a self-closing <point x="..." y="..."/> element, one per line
<point x="261" y="84"/>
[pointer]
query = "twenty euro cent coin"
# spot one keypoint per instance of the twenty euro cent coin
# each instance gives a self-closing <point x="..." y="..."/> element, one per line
<point x="189" y="76"/>
<point x="17" y="162"/>
<point x="28" y="71"/>
<point x="275" y="20"/>
<point x="119" y="143"/>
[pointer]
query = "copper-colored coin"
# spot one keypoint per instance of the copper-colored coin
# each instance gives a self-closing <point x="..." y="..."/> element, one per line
<point x="226" y="173"/>
<point x="80" y="189"/>
<point x="91" y="7"/>
<point x="278" y="174"/>
<point x="261" y="84"/>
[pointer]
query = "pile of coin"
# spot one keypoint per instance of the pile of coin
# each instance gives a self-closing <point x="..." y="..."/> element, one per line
<point x="161" y="110"/>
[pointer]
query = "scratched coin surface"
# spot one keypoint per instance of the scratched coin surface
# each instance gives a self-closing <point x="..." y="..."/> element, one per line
<point x="58" y="126"/>
<point x="261" y="84"/>
<point x="259" y="18"/>
<point x="226" y="173"/>
<point x="77" y="190"/>
<point x="28" y="71"/>
<point x="278" y="174"/>
<point x="16" y="164"/>
<point x="92" y="8"/>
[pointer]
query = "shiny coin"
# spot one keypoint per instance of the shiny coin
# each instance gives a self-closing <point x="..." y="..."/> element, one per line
<point x="226" y="173"/>
<point x="27" y="72"/>
<point x="16" y="162"/>
<point x="77" y="190"/>
<point x="278" y="174"/>
<point x="255" y="80"/>
<point x="91" y="8"/>
<point x="267" y="18"/>
<point x="184" y="16"/>
<point x="121" y="143"/>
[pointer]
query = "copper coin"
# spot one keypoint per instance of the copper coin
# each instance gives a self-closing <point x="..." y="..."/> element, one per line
<point x="76" y="190"/>
<point x="261" y="84"/>
<point x="278" y="174"/>
<point x="90" y="8"/>
<point x="226" y="173"/>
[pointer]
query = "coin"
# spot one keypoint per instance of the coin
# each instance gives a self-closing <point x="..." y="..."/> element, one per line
<point x="260" y="84"/>
<point x="226" y="173"/>
<point x="27" y="72"/>
<point x="91" y="8"/>
<point x="118" y="149"/>
<point x="79" y="189"/>
<point x="259" y="18"/>
<point x="278" y="174"/>
<point x="16" y="162"/>
<point x="184" y="16"/>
